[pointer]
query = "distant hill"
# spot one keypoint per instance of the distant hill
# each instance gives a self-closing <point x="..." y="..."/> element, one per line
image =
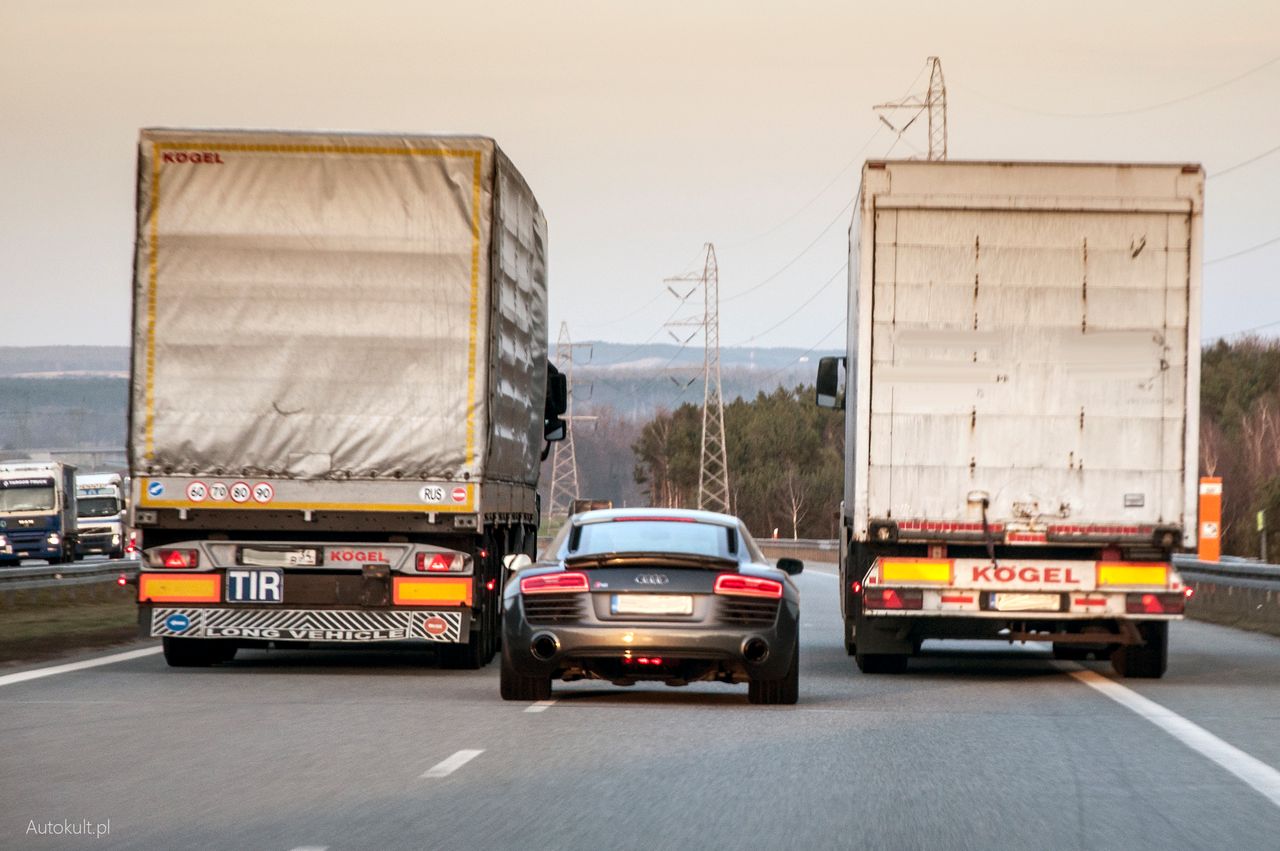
<point x="56" y="361"/>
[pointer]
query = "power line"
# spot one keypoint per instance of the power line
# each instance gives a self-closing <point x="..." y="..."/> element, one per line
<point x="802" y="306"/>
<point x="793" y="260"/>
<point x="1133" y="111"/>
<point x="1244" y="163"/>
<point x="1262" y="327"/>
<point x="806" y="352"/>
<point x="1248" y="250"/>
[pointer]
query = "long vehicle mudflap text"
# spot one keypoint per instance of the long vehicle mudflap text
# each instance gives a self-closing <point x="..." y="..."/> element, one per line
<point x="449" y="626"/>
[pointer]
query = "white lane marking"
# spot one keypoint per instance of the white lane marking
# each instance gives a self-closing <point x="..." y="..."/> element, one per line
<point x="1262" y="777"/>
<point x="446" y="767"/>
<point x="311" y="848"/>
<point x="38" y="673"/>
<point x="541" y="706"/>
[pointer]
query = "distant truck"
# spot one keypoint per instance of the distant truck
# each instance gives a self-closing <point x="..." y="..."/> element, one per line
<point x="37" y="511"/>
<point x="340" y="389"/>
<point x="1021" y="391"/>
<point x="100" y="515"/>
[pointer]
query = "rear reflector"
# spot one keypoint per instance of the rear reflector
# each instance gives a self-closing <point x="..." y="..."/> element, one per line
<point x="167" y="588"/>
<point x="552" y="583"/>
<point x="173" y="559"/>
<point x="1131" y="573"/>
<point x="893" y="598"/>
<point x="738" y="585"/>
<point x="1155" y="604"/>
<point x="916" y="570"/>
<point x="421" y="591"/>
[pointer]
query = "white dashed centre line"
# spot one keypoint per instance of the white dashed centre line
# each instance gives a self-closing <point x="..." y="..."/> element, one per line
<point x="38" y="673"/>
<point x="446" y="767"/>
<point x="1253" y="771"/>
<point x="311" y="848"/>
<point x="541" y="706"/>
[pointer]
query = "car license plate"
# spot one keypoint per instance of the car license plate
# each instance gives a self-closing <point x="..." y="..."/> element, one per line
<point x="1003" y="601"/>
<point x="278" y="558"/>
<point x="255" y="586"/>
<point x="652" y="604"/>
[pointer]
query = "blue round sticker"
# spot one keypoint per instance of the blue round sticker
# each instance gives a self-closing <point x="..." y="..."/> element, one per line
<point x="155" y="489"/>
<point x="177" y="623"/>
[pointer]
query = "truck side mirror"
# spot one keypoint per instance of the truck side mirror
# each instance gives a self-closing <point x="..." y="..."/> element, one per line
<point x="557" y="393"/>
<point x="827" y="391"/>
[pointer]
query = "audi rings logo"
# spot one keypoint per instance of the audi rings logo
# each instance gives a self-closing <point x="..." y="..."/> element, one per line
<point x="651" y="579"/>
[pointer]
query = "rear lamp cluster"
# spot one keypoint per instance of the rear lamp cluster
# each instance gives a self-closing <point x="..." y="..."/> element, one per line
<point x="441" y="562"/>
<point x="171" y="559"/>
<point x="737" y="585"/>
<point x="893" y="598"/>
<point x="1156" y="604"/>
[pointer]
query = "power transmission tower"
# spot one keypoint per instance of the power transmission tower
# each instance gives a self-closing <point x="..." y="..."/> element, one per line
<point x="934" y="102"/>
<point x="564" y="461"/>
<point x="713" y="472"/>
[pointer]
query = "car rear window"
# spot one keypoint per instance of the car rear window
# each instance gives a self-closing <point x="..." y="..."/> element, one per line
<point x="654" y="536"/>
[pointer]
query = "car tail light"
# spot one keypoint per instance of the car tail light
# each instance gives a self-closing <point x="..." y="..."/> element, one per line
<point x="893" y="598"/>
<point x="174" y="558"/>
<point x="1188" y="592"/>
<point x="550" y="583"/>
<point x="1155" y="604"/>
<point x="440" y="562"/>
<point x="738" y="585"/>
<point x="122" y="580"/>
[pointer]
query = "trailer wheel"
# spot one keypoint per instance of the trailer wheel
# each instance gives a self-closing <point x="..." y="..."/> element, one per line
<point x="196" y="652"/>
<point x="1145" y="661"/>
<point x="881" y="663"/>
<point x="783" y="691"/>
<point x="515" y="686"/>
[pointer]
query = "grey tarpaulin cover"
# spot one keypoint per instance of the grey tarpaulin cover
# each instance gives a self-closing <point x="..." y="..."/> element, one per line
<point x="321" y="305"/>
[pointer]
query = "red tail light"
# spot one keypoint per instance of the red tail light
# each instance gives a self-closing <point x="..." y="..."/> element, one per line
<point x="893" y="598"/>
<point x="654" y="520"/>
<point x="550" y="583"/>
<point x="1155" y="604"/>
<point x="122" y="580"/>
<point x="1189" y="592"/>
<point x="748" y="586"/>
<point x="440" y="562"/>
<point x="173" y="559"/>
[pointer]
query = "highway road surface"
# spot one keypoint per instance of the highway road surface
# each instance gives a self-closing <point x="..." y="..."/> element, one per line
<point x="977" y="746"/>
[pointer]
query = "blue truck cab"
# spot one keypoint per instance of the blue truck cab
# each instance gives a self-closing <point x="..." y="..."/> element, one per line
<point x="37" y="512"/>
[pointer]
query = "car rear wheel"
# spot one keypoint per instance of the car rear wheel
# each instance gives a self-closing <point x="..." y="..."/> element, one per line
<point x="515" y="686"/>
<point x="785" y="690"/>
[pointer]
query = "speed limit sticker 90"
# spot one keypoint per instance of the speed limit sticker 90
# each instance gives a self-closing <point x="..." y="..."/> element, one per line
<point x="263" y="493"/>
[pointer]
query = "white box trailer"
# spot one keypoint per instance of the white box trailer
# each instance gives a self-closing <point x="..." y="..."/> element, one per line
<point x="340" y="387"/>
<point x="1022" y="389"/>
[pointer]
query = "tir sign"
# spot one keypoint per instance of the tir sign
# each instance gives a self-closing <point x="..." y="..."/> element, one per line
<point x="255" y="586"/>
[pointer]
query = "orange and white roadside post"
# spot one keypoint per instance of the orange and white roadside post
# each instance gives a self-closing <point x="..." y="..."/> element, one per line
<point x="1210" y="530"/>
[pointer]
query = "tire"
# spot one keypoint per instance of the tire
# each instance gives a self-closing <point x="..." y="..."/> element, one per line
<point x="850" y="646"/>
<point x="195" y="652"/>
<point x="515" y="686"/>
<point x="881" y="663"/>
<point x="784" y="691"/>
<point x="1069" y="652"/>
<point x="464" y="657"/>
<point x="1146" y="661"/>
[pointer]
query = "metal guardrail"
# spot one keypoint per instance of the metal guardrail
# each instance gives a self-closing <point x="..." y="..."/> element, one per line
<point x="1235" y="572"/>
<point x="66" y="575"/>
<point x="798" y="543"/>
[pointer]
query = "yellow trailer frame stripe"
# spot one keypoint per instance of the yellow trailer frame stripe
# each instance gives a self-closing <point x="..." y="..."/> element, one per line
<point x="372" y="150"/>
<point x="1133" y="574"/>
<point x="899" y="570"/>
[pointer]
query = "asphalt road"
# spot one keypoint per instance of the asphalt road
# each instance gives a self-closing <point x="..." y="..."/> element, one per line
<point x="977" y="746"/>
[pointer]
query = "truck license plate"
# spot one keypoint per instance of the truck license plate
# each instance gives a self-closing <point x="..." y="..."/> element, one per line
<point x="1003" y="601"/>
<point x="652" y="604"/>
<point x="278" y="558"/>
<point x="255" y="586"/>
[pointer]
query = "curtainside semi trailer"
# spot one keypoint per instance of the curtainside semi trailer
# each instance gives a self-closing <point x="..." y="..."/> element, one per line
<point x="340" y="389"/>
<point x="1021" y="390"/>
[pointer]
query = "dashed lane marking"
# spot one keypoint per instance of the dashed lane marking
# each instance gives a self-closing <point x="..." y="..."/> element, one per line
<point x="446" y="767"/>
<point x="39" y="673"/>
<point x="311" y="848"/>
<point x="1253" y="771"/>
<point x="540" y="706"/>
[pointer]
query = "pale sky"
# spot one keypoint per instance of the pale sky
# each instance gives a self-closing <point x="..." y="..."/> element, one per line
<point x="645" y="129"/>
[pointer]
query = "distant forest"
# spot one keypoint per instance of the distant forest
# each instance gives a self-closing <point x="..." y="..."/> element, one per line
<point x="631" y="443"/>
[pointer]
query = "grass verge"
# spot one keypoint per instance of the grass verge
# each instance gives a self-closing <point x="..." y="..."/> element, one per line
<point x="30" y="633"/>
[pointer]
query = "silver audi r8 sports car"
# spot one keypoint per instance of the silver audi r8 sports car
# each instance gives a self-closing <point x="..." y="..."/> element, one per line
<point x="668" y="595"/>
